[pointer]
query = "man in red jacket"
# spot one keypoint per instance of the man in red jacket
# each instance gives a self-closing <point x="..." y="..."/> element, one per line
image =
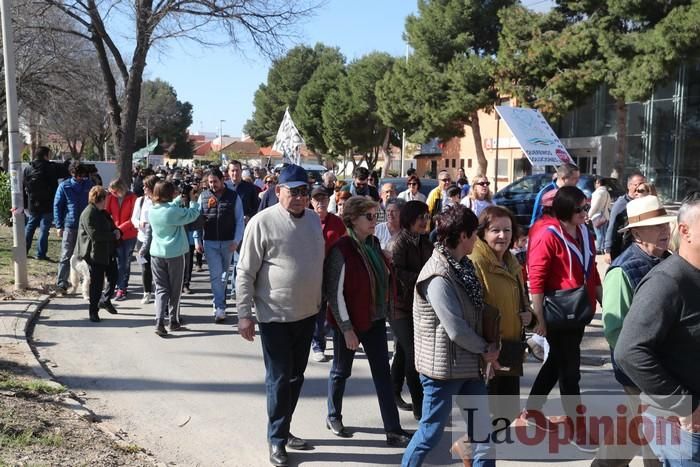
<point x="120" y="205"/>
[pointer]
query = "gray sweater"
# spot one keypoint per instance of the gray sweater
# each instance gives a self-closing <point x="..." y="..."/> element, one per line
<point x="280" y="269"/>
<point x="659" y="344"/>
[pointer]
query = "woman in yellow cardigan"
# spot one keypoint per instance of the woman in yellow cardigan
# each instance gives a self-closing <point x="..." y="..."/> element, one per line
<point x="502" y="278"/>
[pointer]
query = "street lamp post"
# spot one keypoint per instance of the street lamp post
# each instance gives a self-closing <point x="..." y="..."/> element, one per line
<point x="221" y="140"/>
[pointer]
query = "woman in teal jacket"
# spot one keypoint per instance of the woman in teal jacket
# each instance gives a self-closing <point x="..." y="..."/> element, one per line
<point x="169" y="246"/>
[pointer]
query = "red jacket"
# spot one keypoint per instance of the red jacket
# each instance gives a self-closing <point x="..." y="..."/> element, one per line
<point x="333" y="229"/>
<point x="554" y="266"/>
<point x="122" y="215"/>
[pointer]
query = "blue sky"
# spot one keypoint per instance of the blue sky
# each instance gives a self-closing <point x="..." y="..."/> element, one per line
<point x="220" y="82"/>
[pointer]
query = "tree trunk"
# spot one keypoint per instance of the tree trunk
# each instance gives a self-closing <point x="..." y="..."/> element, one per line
<point x="621" y="147"/>
<point x="387" y="153"/>
<point x="481" y="162"/>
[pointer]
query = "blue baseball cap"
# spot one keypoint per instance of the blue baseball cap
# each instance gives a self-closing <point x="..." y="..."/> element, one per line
<point x="293" y="176"/>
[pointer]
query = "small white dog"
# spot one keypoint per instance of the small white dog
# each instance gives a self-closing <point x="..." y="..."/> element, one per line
<point x="80" y="274"/>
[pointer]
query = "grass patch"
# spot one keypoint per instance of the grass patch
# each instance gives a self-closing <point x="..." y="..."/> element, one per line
<point x="130" y="448"/>
<point x="18" y="439"/>
<point x="39" y="273"/>
<point x="12" y="383"/>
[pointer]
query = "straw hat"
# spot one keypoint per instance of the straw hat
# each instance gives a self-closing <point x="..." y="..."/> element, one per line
<point x="645" y="211"/>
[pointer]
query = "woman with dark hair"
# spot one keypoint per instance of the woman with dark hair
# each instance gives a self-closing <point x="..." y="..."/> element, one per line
<point x="357" y="287"/>
<point x="169" y="246"/>
<point x="410" y="251"/>
<point x="139" y="219"/>
<point x="412" y="192"/>
<point x="449" y="347"/>
<point x="561" y="257"/>
<point x="96" y="245"/>
<point x="501" y="275"/>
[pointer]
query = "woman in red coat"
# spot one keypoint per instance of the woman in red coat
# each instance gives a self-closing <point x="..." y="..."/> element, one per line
<point x="120" y="205"/>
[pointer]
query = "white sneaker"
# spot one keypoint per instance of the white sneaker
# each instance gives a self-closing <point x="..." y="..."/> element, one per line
<point x="318" y="357"/>
<point x="146" y="298"/>
<point x="220" y="315"/>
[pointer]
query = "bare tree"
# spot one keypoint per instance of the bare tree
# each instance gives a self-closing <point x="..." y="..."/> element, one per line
<point x="266" y="24"/>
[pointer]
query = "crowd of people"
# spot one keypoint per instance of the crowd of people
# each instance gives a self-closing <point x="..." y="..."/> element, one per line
<point x="445" y="272"/>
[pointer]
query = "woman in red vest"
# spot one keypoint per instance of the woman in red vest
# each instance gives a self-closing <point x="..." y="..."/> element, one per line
<point x="357" y="287"/>
<point x="120" y="205"/>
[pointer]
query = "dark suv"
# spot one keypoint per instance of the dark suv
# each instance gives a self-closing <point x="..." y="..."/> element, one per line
<point x="520" y="195"/>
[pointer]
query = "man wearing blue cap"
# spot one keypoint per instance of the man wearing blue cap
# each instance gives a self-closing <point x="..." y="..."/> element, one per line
<point x="282" y="244"/>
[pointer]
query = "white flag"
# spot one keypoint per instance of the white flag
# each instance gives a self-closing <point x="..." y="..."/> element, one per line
<point x="288" y="141"/>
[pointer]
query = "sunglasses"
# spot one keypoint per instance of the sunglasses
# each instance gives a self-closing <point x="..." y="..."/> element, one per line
<point x="584" y="208"/>
<point x="641" y="191"/>
<point x="370" y="217"/>
<point x="446" y="180"/>
<point x="299" y="191"/>
<point x="413" y="184"/>
<point x="483" y="183"/>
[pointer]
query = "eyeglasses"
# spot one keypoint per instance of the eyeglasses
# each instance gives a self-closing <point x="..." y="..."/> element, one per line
<point x="446" y="180"/>
<point x="483" y="183"/>
<point x="299" y="191"/>
<point x="361" y="183"/>
<point x="370" y="216"/>
<point x="413" y="184"/>
<point x="641" y="191"/>
<point x="584" y="208"/>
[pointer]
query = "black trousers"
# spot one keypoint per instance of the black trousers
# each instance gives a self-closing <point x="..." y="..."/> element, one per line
<point x="146" y="273"/>
<point x="189" y="264"/>
<point x="506" y="403"/>
<point x="403" y="330"/>
<point x="563" y="364"/>
<point x="97" y="282"/>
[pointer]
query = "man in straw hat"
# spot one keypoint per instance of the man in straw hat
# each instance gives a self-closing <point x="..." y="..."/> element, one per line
<point x="650" y="233"/>
<point x="659" y="344"/>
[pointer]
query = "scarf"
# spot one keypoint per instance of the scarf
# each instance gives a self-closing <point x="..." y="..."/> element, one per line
<point x="378" y="275"/>
<point x="466" y="274"/>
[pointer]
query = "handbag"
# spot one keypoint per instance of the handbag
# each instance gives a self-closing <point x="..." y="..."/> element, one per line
<point x="491" y="324"/>
<point x="567" y="309"/>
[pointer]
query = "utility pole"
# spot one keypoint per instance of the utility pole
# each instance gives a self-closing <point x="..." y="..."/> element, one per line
<point x="19" y="246"/>
<point x="403" y="136"/>
<point x="221" y="140"/>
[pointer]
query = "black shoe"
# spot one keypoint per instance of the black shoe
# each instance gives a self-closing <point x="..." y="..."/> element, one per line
<point x="186" y="289"/>
<point x="160" y="330"/>
<point x="94" y="317"/>
<point x="399" y="439"/>
<point x="297" y="443"/>
<point x="278" y="456"/>
<point x="402" y="404"/>
<point x="337" y="428"/>
<point x="175" y="326"/>
<point x="109" y="307"/>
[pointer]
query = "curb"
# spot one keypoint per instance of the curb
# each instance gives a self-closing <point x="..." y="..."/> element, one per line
<point x="71" y="401"/>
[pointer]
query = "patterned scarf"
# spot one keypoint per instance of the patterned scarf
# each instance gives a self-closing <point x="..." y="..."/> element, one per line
<point x="464" y="270"/>
<point x="378" y="274"/>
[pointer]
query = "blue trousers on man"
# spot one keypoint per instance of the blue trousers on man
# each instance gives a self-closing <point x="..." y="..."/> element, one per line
<point x="219" y="256"/>
<point x="43" y="221"/>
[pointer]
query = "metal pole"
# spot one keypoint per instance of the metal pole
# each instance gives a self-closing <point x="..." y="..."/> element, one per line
<point x="403" y="137"/>
<point x="147" y="140"/>
<point x="19" y="251"/>
<point x="221" y="140"/>
<point x="498" y="135"/>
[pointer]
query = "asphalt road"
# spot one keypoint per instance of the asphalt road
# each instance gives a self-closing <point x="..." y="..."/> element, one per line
<point x="197" y="398"/>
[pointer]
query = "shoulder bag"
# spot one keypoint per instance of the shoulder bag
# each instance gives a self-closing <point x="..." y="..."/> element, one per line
<point x="570" y="309"/>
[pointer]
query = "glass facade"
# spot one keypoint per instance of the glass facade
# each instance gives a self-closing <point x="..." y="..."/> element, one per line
<point x="663" y="133"/>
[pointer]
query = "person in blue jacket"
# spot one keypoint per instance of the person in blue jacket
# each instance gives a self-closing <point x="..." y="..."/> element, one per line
<point x="70" y="200"/>
<point x="567" y="175"/>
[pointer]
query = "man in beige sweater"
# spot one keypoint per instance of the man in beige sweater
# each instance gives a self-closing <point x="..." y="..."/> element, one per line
<point x="280" y="271"/>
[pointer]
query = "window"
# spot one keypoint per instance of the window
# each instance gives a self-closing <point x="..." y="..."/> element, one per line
<point x="461" y="163"/>
<point x="447" y="163"/>
<point x="469" y="163"/>
<point x="454" y="163"/>
<point x="502" y="168"/>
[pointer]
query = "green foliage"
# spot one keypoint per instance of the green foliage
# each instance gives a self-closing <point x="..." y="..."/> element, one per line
<point x="166" y="117"/>
<point x="5" y="199"/>
<point x="10" y="382"/>
<point x="285" y="80"/>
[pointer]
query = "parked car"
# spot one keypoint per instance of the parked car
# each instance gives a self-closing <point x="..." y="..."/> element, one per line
<point x="401" y="184"/>
<point x="520" y="195"/>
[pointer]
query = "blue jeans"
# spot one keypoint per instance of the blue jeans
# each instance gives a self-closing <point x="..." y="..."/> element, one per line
<point x="219" y="260"/>
<point x="600" y="235"/>
<point x="375" y="346"/>
<point x="70" y="236"/>
<point x="43" y="221"/>
<point x="234" y="263"/>
<point x="437" y="405"/>
<point x="685" y="454"/>
<point x="285" y="352"/>
<point x="124" y="250"/>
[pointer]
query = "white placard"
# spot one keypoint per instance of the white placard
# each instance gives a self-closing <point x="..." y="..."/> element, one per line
<point x="534" y="135"/>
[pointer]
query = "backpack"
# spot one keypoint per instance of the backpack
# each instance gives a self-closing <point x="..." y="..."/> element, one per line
<point x="38" y="186"/>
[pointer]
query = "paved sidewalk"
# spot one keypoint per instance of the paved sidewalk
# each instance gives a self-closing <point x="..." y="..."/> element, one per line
<point x="15" y="318"/>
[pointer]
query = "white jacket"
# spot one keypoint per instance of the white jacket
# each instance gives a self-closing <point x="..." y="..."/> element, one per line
<point x="600" y="204"/>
